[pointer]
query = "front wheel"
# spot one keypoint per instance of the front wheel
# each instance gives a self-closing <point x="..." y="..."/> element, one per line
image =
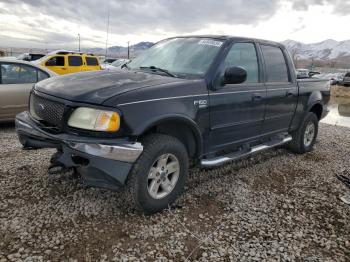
<point x="305" y="137"/>
<point x="159" y="175"/>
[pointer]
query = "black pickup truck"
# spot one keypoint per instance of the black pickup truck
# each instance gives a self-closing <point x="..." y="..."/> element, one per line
<point x="204" y="100"/>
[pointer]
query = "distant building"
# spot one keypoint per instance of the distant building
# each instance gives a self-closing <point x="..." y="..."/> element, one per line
<point x="2" y="53"/>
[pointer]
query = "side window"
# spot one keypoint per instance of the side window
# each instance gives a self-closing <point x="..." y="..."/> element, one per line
<point x="244" y="55"/>
<point x="276" y="68"/>
<point x="18" y="74"/>
<point x="55" y="61"/>
<point x="42" y="75"/>
<point x="91" y="61"/>
<point x="75" y="61"/>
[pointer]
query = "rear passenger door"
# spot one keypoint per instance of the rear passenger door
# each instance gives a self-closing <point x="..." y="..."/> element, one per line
<point x="282" y="93"/>
<point x="16" y="81"/>
<point x="75" y="63"/>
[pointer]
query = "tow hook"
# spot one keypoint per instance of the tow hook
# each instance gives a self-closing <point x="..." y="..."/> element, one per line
<point x="57" y="167"/>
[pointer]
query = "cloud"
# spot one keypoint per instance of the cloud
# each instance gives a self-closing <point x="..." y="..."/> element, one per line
<point x="340" y="7"/>
<point x="181" y="16"/>
<point x="59" y="22"/>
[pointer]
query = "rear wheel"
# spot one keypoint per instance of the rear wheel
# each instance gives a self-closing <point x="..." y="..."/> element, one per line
<point x="159" y="175"/>
<point x="305" y="137"/>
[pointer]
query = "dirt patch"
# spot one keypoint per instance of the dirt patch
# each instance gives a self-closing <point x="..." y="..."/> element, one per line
<point x="272" y="206"/>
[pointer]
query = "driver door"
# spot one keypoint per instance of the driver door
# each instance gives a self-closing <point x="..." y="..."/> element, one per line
<point x="237" y="110"/>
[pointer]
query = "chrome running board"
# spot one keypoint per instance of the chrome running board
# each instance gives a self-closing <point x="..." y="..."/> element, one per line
<point x="237" y="155"/>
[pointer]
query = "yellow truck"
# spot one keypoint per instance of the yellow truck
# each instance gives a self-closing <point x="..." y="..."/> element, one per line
<point x="67" y="62"/>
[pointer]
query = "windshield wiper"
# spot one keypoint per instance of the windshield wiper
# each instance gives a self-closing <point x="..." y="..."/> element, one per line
<point x="159" y="69"/>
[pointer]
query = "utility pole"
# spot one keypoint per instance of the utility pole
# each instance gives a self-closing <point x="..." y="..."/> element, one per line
<point x="79" y="41"/>
<point x="128" y="50"/>
<point x="107" y="30"/>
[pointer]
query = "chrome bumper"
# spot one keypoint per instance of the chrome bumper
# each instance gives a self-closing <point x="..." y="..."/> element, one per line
<point x="125" y="153"/>
<point x="32" y="136"/>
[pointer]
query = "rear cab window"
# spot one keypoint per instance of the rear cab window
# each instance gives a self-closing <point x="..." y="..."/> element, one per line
<point x="74" y="60"/>
<point x="91" y="61"/>
<point x="275" y="64"/>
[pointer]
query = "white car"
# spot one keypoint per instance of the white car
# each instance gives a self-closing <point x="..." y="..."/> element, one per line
<point x="302" y="73"/>
<point x="117" y="64"/>
<point x="107" y="61"/>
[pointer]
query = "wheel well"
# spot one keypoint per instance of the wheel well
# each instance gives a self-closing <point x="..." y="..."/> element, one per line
<point x="182" y="131"/>
<point x="317" y="110"/>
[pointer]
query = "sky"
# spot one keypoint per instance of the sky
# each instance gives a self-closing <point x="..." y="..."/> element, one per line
<point x="56" y="24"/>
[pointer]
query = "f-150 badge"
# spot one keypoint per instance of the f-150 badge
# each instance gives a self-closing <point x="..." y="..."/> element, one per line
<point x="200" y="103"/>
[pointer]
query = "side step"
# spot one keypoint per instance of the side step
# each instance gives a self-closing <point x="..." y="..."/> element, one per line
<point x="237" y="155"/>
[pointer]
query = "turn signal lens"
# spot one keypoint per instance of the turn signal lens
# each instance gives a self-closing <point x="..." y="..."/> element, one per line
<point x="107" y="121"/>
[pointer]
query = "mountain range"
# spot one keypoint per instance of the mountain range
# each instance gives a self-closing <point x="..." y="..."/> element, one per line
<point x="326" y="50"/>
<point x="120" y="51"/>
<point x="328" y="53"/>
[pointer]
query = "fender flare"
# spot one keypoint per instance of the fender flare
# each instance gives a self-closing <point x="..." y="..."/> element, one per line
<point x="174" y="117"/>
<point x="315" y="98"/>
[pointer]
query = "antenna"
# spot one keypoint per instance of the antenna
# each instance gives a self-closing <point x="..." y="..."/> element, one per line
<point x="107" y="29"/>
<point x="79" y="41"/>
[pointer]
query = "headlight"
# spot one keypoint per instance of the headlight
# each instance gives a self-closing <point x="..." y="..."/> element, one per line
<point x="94" y="119"/>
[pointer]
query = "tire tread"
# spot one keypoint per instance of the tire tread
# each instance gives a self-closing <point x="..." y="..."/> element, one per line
<point x="151" y="143"/>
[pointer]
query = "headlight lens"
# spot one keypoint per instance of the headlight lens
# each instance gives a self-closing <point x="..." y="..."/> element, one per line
<point x="94" y="119"/>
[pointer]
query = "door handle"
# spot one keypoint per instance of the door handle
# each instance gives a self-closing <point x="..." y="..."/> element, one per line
<point x="289" y="93"/>
<point x="256" y="96"/>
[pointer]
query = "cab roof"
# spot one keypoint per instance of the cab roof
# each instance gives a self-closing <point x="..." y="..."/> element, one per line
<point x="233" y="38"/>
<point x="66" y="52"/>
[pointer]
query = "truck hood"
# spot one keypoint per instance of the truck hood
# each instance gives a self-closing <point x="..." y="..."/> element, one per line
<point x="97" y="86"/>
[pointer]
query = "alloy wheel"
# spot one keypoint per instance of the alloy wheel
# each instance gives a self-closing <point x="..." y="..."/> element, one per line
<point x="163" y="176"/>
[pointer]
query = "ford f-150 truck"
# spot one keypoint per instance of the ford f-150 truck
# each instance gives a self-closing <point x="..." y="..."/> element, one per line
<point x="204" y="100"/>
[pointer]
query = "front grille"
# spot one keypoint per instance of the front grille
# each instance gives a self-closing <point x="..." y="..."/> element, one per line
<point x="47" y="111"/>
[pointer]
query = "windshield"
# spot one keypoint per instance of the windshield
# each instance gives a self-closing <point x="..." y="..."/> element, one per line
<point x="38" y="61"/>
<point x="118" y="62"/>
<point x="180" y="56"/>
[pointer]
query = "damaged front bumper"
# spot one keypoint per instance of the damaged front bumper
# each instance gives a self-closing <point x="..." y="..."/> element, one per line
<point x="101" y="162"/>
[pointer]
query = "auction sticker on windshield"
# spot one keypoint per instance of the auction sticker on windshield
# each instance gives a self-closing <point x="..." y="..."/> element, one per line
<point x="210" y="42"/>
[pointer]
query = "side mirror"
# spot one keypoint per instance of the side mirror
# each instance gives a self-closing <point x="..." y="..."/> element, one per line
<point x="235" y="75"/>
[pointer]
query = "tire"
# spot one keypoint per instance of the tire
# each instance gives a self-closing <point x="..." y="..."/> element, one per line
<point x="141" y="187"/>
<point x="303" y="142"/>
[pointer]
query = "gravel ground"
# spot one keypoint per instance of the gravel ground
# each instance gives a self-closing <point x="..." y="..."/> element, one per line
<point x="275" y="206"/>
